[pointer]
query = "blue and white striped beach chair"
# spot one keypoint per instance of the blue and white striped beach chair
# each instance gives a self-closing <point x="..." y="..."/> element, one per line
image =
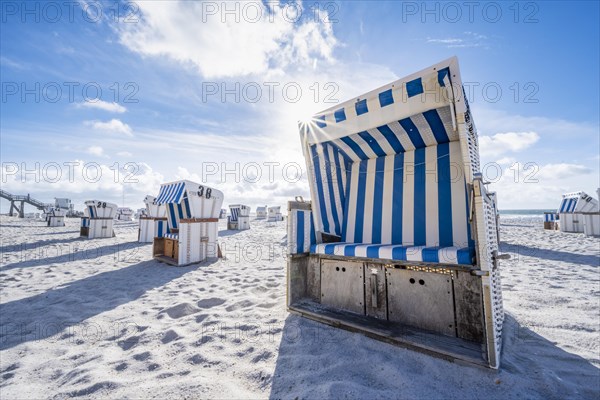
<point x="571" y="208"/>
<point x="193" y="223"/>
<point x="400" y="237"/>
<point x="98" y="219"/>
<point x="152" y="221"/>
<point x="239" y="219"/>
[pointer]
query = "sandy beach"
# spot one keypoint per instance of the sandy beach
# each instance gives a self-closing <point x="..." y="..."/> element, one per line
<point x="101" y="319"/>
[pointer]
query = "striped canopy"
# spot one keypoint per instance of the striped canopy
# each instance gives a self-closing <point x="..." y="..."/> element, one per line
<point x="171" y="193"/>
<point x="577" y="202"/>
<point x="389" y="167"/>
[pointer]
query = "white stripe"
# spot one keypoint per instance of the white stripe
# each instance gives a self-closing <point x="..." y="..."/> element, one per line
<point x="346" y="149"/>
<point x="446" y="117"/>
<point x="431" y="198"/>
<point x="388" y="197"/>
<point x="382" y="141"/>
<point x="361" y="251"/>
<point x="402" y="135"/>
<point x="336" y="193"/>
<point x="386" y="252"/>
<point x="325" y="186"/>
<point x="448" y="255"/>
<point x="352" y="202"/>
<point x="408" y="199"/>
<point x="458" y="195"/>
<point x="424" y="129"/>
<point x="414" y="253"/>
<point x="364" y="146"/>
<point x="306" y="230"/>
<point x="368" y="208"/>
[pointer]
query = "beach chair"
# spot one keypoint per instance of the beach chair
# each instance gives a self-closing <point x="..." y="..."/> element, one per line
<point x="591" y="220"/>
<point x="239" y="219"/>
<point x="551" y="221"/>
<point x="124" y="214"/>
<point x="571" y="210"/>
<point x="400" y="238"/>
<point x="274" y="214"/>
<point x="153" y="221"/>
<point x="56" y="217"/>
<point x="98" y="219"/>
<point x="193" y="223"/>
<point x="261" y="212"/>
<point x="223" y="213"/>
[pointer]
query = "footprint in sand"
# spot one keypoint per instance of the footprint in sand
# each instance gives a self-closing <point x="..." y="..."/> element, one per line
<point x="170" y="336"/>
<point x="209" y="303"/>
<point x="180" y="310"/>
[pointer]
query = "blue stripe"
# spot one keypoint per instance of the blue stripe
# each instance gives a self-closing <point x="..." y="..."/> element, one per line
<point x="465" y="255"/>
<point x="321" y="121"/>
<point x="412" y="132"/>
<point x="339" y="150"/>
<point x="373" y="251"/>
<point x="350" y="250"/>
<point x="300" y="232"/>
<point x="430" y="254"/>
<point x="313" y="235"/>
<point x="397" y="200"/>
<point x="444" y="195"/>
<point x="399" y="253"/>
<point x="361" y="107"/>
<point x="177" y="198"/>
<point x="471" y="242"/>
<point x="442" y="73"/>
<point x="329" y="178"/>
<point x="355" y="147"/>
<point x="378" y="200"/>
<point x="420" y="236"/>
<point x="437" y="126"/>
<point x="386" y="98"/>
<point x="319" y="182"/>
<point x="347" y="202"/>
<point x="340" y="115"/>
<point x="360" y="202"/>
<point x="92" y="212"/>
<point x="340" y="185"/>
<point x="173" y="220"/>
<point x="180" y="211"/>
<point x="414" y="87"/>
<point x="391" y="138"/>
<point x="186" y="203"/>
<point x="329" y="248"/>
<point x="372" y="143"/>
<point x="160" y="229"/>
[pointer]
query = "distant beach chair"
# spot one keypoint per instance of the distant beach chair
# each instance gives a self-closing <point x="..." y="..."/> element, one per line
<point x="274" y="214"/>
<point x="56" y="217"/>
<point x="400" y="238"/>
<point x="239" y="219"/>
<point x="98" y="219"/>
<point x="193" y="223"/>
<point x="551" y="221"/>
<point x="223" y="213"/>
<point x="124" y="214"/>
<point x="571" y="210"/>
<point x="261" y="212"/>
<point x="153" y="221"/>
<point x="591" y="220"/>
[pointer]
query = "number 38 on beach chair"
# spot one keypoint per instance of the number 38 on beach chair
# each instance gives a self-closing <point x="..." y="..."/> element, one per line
<point x="193" y="223"/>
<point x="399" y="240"/>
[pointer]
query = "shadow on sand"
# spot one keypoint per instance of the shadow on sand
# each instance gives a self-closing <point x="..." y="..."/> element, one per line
<point x="44" y="315"/>
<point x="52" y="252"/>
<point x="553" y="255"/>
<point x="318" y="361"/>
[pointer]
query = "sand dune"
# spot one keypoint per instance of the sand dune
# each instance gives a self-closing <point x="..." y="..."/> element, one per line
<point x="100" y="318"/>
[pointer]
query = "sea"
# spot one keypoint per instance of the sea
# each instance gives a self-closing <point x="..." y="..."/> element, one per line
<point x="507" y="214"/>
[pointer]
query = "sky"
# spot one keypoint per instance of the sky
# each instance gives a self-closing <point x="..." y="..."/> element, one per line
<point x="107" y="100"/>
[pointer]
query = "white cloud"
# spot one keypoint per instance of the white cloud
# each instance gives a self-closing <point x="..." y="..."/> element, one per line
<point x="112" y="126"/>
<point x="95" y="150"/>
<point x="468" y="39"/>
<point x="103" y="105"/>
<point x="501" y="143"/>
<point x="124" y="154"/>
<point x="265" y="38"/>
<point x="563" y="171"/>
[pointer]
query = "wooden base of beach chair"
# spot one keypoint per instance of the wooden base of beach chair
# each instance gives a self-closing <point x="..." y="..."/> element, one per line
<point x="437" y="309"/>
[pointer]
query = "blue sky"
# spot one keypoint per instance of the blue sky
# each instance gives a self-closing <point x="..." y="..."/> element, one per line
<point x="156" y="121"/>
